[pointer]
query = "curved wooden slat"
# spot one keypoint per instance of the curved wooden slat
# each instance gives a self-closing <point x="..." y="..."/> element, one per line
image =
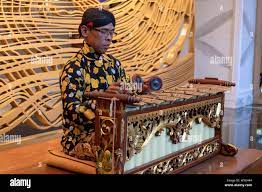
<point x="38" y="36"/>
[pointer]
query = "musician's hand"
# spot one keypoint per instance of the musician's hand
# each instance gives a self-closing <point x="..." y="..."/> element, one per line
<point x="115" y="88"/>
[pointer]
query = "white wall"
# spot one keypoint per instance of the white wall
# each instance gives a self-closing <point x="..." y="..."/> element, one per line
<point x="248" y="30"/>
<point x="225" y="32"/>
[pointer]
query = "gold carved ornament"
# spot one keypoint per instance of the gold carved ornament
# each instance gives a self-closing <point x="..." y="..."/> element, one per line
<point x="183" y="159"/>
<point x="107" y="157"/>
<point x="142" y="128"/>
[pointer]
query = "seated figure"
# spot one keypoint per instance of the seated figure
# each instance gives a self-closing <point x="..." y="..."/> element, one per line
<point x="91" y="69"/>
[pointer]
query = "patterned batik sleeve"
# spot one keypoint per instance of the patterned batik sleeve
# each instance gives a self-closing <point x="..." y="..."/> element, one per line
<point x="122" y="74"/>
<point x="72" y="83"/>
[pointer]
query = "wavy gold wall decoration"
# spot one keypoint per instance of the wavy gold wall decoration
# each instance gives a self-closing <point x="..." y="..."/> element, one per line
<point x="37" y="37"/>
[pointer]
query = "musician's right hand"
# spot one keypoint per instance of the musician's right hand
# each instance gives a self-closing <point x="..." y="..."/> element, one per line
<point x="114" y="88"/>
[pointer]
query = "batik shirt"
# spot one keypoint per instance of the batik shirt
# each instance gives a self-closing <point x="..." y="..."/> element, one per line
<point x="86" y="71"/>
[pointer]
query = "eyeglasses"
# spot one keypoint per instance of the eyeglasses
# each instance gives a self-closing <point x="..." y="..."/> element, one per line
<point x="106" y="32"/>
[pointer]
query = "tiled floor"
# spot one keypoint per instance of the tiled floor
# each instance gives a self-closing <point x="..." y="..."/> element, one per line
<point x="243" y="127"/>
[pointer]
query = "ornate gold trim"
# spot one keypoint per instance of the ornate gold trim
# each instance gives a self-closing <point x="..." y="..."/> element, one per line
<point x="177" y="120"/>
<point x="182" y="160"/>
<point x="104" y="157"/>
<point x="177" y="108"/>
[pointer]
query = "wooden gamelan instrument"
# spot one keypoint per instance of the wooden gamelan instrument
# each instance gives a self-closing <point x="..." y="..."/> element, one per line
<point x="164" y="131"/>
